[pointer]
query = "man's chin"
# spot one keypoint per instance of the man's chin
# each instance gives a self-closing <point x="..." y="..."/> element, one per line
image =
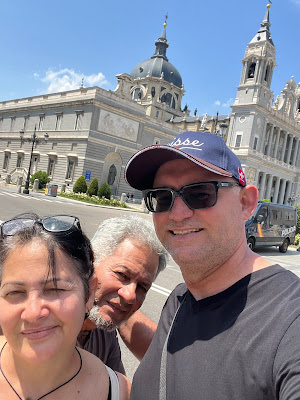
<point x="101" y="322"/>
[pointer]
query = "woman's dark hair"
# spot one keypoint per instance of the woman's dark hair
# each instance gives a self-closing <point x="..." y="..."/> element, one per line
<point x="74" y="243"/>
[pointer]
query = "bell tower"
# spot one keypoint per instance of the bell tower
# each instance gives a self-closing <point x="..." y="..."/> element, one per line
<point x="258" y="66"/>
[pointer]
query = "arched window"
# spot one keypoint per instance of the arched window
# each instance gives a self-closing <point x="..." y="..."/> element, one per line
<point x="137" y="94"/>
<point x="169" y="99"/>
<point x="251" y="70"/>
<point x="267" y="73"/>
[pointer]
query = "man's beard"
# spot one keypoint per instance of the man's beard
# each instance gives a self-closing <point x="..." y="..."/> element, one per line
<point x="99" y="321"/>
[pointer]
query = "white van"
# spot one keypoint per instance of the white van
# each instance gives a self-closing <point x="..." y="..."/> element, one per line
<point x="272" y="225"/>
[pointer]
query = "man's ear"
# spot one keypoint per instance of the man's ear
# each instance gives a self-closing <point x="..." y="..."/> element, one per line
<point x="92" y="292"/>
<point x="248" y="199"/>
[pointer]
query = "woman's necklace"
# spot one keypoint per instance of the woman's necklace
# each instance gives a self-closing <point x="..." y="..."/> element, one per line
<point x="51" y="391"/>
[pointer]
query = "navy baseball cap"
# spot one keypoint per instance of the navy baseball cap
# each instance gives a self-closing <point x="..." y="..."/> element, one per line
<point x="203" y="148"/>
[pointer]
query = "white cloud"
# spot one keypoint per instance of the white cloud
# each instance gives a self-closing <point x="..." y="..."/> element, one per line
<point x="68" y="79"/>
<point x="217" y="103"/>
<point x="228" y="103"/>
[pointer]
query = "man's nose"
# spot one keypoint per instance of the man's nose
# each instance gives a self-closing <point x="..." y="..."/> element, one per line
<point x="34" y="308"/>
<point x="128" y="292"/>
<point x="180" y="210"/>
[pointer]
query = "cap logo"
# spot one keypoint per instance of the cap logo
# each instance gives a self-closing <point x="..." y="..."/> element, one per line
<point x="241" y="177"/>
<point x="187" y="144"/>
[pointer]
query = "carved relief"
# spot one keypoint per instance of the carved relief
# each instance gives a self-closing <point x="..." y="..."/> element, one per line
<point x="250" y="175"/>
<point x="118" y="126"/>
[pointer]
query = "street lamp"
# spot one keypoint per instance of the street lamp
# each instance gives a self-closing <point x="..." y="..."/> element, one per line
<point x="216" y="121"/>
<point x="34" y="140"/>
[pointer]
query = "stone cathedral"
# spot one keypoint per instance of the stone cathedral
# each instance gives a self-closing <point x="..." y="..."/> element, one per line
<point x="93" y="132"/>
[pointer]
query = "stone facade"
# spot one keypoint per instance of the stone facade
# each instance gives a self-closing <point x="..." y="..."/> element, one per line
<point x="90" y="130"/>
<point x="93" y="132"/>
<point x="265" y="135"/>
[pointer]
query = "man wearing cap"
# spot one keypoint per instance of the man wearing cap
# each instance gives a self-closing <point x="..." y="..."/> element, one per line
<point x="231" y="331"/>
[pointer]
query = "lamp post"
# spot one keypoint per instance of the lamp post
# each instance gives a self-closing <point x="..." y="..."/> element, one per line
<point x="34" y="140"/>
<point x="216" y="121"/>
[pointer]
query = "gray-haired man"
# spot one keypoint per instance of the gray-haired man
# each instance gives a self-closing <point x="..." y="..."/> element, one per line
<point x="128" y="257"/>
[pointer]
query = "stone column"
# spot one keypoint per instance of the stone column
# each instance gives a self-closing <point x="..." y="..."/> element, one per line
<point x="282" y="191"/>
<point x="294" y="159"/>
<point x="276" y="143"/>
<point x="269" y="188"/>
<point x="270" y="141"/>
<point x="262" y="144"/>
<point x="288" y="192"/>
<point x="256" y="178"/>
<point x="283" y="146"/>
<point x="262" y="185"/>
<point x="276" y="190"/>
<point x="290" y="149"/>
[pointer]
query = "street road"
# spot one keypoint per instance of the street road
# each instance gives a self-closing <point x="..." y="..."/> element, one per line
<point x="12" y="203"/>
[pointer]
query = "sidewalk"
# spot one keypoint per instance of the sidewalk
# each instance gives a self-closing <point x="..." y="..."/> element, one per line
<point x="133" y="206"/>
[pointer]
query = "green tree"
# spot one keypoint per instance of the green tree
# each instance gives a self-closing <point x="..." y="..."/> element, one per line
<point x="93" y="188"/>
<point x="104" y="191"/>
<point x="43" y="178"/>
<point x="80" y="185"/>
<point x="298" y="219"/>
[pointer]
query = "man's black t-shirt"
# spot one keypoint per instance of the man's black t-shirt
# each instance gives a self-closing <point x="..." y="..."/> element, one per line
<point x="241" y="344"/>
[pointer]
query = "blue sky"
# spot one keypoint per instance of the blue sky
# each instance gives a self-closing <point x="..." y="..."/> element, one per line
<point x="49" y="47"/>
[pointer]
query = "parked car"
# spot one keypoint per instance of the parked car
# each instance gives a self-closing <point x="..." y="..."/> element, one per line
<point x="272" y="225"/>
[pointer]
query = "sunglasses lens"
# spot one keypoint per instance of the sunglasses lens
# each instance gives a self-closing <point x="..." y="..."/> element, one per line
<point x="10" y="228"/>
<point x="199" y="196"/>
<point x="59" y="223"/>
<point x="159" y="200"/>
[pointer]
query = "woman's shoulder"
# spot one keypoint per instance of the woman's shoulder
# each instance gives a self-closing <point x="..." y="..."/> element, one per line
<point x="97" y="377"/>
<point x="94" y="376"/>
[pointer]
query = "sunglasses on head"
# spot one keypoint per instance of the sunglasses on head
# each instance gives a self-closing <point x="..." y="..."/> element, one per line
<point x="195" y="196"/>
<point x="55" y="224"/>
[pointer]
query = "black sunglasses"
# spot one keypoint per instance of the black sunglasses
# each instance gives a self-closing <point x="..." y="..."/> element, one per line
<point x="196" y="196"/>
<point x="55" y="224"/>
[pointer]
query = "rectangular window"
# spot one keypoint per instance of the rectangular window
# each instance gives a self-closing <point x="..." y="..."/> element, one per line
<point x="26" y="119"/>
<point x="73" y="146"/>
<point x="1" y="123"/>
<point x="41" y="122"/>
<point x="12" y="123"/>
<point x="51" y="167"/>
<point x="58" y="121"/>
<point x="19" y="161"/>
<point x="78" y="120"/>
<point x="54" y="146"/>
<point x="70" y="169"/>
<point x="6" y="161"/>
<point x="255" y="143"/>
<point x="238" y="140"/>
<point x="287" y="215"/>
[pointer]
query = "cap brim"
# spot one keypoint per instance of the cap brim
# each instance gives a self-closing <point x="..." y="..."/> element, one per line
<point x="142" y="167"/>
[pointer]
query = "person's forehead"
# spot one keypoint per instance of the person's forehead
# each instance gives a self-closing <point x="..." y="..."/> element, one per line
<point x="181" y="169"/>
<point x="133" y="255"/>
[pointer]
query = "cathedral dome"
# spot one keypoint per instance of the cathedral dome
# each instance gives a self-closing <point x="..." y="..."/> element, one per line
<point x="158" y="65"/>
<point x="155" y="67"/>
